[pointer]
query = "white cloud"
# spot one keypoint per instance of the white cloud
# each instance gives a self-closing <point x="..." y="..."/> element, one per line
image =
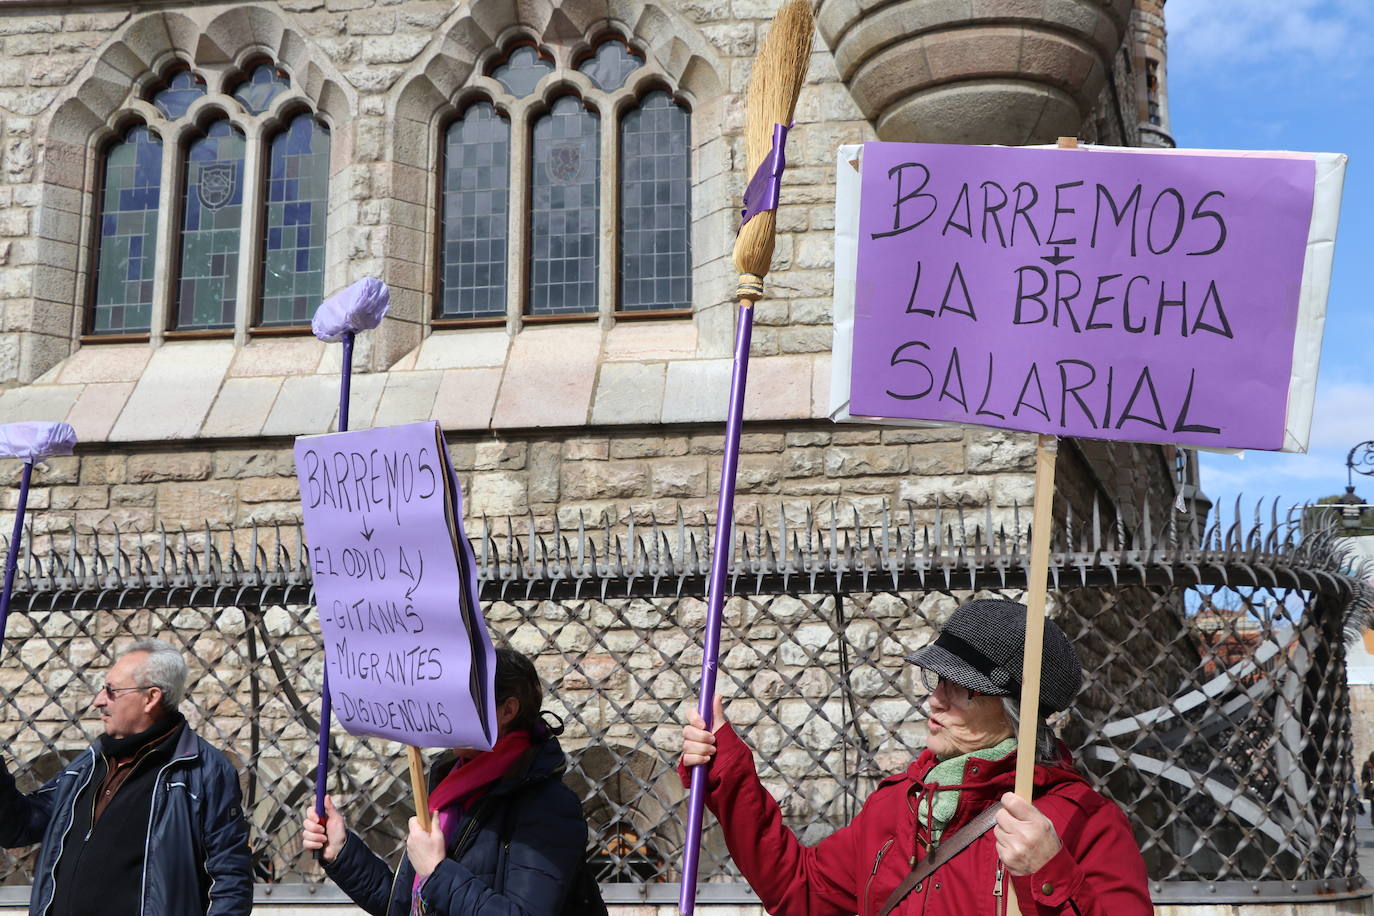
<point x="1343" y="416"/>
<point x="1276" y="34"/>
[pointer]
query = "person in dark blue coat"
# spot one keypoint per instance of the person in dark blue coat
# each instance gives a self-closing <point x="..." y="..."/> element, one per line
<point x="507" y="837"/>
<point x="148" y="821"/>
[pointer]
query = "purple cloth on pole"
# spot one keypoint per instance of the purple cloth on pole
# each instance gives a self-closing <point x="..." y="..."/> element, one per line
<point x="34" y="441"/>
<point x="360" y="307"/>
<point x="765" y="188"/>
<point x="715" y="601"/>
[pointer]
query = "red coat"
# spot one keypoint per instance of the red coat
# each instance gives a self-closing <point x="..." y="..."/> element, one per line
<point x="1099" y="871"/>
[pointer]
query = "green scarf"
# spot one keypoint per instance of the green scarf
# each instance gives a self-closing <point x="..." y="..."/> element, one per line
<point x="951" y="772"/>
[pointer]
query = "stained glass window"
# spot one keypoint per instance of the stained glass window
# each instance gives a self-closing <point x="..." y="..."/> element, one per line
<point x="655" y="211"/>
<point x="181" y="91"/>
<point x="476" y="190"/>
<point x="611" y="65"/>
<point x="128" y="234"/>
<point x="263" y="85"/>
<point x="211" y="214"/>
<point x="566" y="185"/>
<point x="522" y="70"/>
<point x="293" y="246"/>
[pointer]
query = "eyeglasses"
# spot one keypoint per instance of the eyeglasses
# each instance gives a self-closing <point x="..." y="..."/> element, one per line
<point x="113" y="692"/>
<point x="956" y="695"/>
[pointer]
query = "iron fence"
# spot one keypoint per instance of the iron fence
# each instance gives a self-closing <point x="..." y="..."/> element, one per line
<point x="1214" y="710"/>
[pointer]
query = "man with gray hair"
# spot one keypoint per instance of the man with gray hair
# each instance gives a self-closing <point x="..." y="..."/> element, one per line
<point x="148" y="821"/>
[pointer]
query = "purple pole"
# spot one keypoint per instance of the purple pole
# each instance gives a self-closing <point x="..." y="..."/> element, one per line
<point x="326" y="706"/>
<point x="12" y="560"/>
<point x="715" y="599"/>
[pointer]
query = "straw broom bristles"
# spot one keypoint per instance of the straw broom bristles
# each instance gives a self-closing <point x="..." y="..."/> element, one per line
<point x="779" y="70"/>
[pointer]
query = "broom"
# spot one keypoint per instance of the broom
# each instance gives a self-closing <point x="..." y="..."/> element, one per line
<point x="779" y="70"/>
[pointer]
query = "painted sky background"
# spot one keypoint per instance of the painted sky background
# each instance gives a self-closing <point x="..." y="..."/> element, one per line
<point x="1296" y="75"/>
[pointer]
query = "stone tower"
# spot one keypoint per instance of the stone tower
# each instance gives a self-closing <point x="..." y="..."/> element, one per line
<point x="1003" y="71"/>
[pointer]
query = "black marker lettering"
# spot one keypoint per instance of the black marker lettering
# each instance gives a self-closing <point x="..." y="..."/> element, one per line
<point x="955" y="373"/>
<point x="1099" y="299"/>
<point x="989" y="210"/>
<point x="1023" y="211"/>
<point x="1214" y="298"/>
<point x="1181" y="303"/>
<point x="1062" y="298"/>
<point x="1178" y="223"/>
<point x="1126" y="307"/>
<point x="1118" y="216"/>
<point x="966" y="226"/>
<point x="1199" y="213"/>
<point x="1036" y="296"/>
<point x="897" y="171"/>
<point x="1181" y="425"/>
<point x="911" y="303"/>
<point x="1059" y="189"/>
<point x="1147" y="384"/>
<point x="1066" y="390"/>
<point x="897" y="359"/>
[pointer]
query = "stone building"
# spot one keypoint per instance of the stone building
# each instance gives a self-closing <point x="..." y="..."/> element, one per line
<point x="181" y="184"/>
<point x="550" y="189"/>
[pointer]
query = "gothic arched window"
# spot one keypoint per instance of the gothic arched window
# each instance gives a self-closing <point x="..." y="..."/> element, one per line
<point x="655" y="206"/>
<point x="475" y="207"/>
<point x="214" y="141"/>
<point x="565" y="188"/>
<point x="211" y="217"/>
<point x="561" y="150"/>
<point x="126" y="242"/>
<point x="293" y="243"/>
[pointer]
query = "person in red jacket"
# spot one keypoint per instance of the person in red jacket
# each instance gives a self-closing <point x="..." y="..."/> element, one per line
<point x="1071" y="853"/>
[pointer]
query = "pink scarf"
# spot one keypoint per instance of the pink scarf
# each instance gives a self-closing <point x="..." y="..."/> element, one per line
<point x="467" y="782"/>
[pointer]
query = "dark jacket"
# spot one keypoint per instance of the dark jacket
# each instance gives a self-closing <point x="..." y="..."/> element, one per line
<point x="197" y="861"/>
<point x="518" y="852"/>
<point x="1098" y="872"/>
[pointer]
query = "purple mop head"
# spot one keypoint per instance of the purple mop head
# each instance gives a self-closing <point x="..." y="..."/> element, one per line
<point x="360" y="307"/>
<point x="34" y="440"/>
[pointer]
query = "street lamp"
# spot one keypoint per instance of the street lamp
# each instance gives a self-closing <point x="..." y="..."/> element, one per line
<point x="1360" y="460"/>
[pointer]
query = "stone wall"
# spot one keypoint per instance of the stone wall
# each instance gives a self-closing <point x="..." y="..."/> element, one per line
<point x="640" y="474"/>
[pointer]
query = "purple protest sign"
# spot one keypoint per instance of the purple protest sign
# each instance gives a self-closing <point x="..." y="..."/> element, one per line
<point x="1111" y="295"/>
<point x="406" y="648"/>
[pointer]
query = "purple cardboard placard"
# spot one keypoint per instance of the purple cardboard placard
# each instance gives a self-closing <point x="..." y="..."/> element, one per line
<point x="407" y="650"/>
<point x="1094" y="294"/>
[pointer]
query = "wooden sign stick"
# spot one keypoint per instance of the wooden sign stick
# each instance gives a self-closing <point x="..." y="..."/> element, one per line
<point x="1046" y="452"/>
<point x="418" y="786"/>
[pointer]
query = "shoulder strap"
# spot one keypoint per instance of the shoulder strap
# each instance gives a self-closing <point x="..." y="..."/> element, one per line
<point x="951" y="847"/>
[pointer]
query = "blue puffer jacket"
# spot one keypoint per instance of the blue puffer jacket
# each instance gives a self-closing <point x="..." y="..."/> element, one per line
<point x="195" y="829"/>
<point x="517" y="855"/>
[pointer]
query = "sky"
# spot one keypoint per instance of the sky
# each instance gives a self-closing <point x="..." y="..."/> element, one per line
<point x="1292" y="75"/>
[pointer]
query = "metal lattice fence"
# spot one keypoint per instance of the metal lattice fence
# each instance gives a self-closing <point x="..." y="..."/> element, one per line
<point x="1214" y="711"/>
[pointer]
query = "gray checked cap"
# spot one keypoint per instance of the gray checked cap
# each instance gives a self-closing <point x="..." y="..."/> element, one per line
<point x="981" y="647"/>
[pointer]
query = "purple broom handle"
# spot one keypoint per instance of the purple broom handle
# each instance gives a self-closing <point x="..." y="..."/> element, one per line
<point x="326" y="706"/>
<point x="715" y="600"/>
<point x="12" y="559"/>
